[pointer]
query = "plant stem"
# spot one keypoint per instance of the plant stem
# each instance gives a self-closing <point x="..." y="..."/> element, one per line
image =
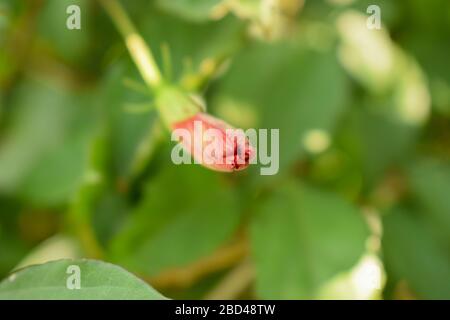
<point x="234" y="283"/>
<point x="139" y="51"/>
<point x="183" y="277"/>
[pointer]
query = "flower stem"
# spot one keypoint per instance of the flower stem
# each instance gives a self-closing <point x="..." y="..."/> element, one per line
<point x="139" y="51"/>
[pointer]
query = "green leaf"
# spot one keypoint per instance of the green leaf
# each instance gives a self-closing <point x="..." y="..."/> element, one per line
<point x="41" y="119"/>
<point x="430" y="183"/>
<point x="302" y="237"/>
<point x="54" y="248"/>
<point x="190" y="47"/>
<point x="98" y="280"/>
<point x="430" y="49"/>
<point x="196" y="10"/>
<point x="390" y="72"/>
<point x="70" y="44"/>
<point x="373" y="142"/>
<point x="187" y="212"/>
<point x="12" y="247"/>
<point x="130" y="133"/>
<point x="295" y="90"/>
<point x="58" y="174"/>
<point x="42" y="155"/>
<point x="376" y="72"/>
<point x="412" y="253"/>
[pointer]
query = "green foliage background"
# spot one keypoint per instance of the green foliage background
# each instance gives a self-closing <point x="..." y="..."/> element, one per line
<point x="360" y="208"/>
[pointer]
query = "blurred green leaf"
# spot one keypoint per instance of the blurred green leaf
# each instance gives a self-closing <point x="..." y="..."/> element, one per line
<point x="412" y="253"/>
<point x="130" y="132"/>
<point x="69" y="44"/>
<point x="196" y="10"/>
<point x="431" y="49"/>
<point x="432" y="17"/>
<point x="82" y="206"/>
<point x="54" y="248"/>
<point x="98" y="280"/>
<point x="12" y="247"/>
<point x="369" y="56"/>
<point x="295" y="90"/>
<point x="108" y="213"/>
<point x="361" y="114"/>
<point x="43" y="115"/>
<point x="302" y="237"/>
<point x="57" y="175"/>
<point x="192" y="48"/>
<point x="430" y="185"/>
<point x="187" y="212"/>
<point x="374" y="142"/>
<point x="383" y="68"/>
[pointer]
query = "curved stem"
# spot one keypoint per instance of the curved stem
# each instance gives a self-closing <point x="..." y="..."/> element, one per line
<point x="139" y="51"/>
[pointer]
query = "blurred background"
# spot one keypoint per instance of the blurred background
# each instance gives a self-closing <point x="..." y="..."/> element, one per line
<point x="360" y="208"/>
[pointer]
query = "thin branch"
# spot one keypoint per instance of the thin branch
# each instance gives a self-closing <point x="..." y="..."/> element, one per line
<point x="184" y="277"/>
<point x="139" y="51"/>
<point x="234" y="283"/>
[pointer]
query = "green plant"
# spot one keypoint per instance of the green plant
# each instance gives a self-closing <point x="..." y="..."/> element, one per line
<point x="359" y="208"/>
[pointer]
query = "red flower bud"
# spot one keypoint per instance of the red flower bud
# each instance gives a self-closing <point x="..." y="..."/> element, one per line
<point x="213" y="143"/>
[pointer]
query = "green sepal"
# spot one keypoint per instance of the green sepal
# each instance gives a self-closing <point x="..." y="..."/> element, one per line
<point x="175" y="105"/>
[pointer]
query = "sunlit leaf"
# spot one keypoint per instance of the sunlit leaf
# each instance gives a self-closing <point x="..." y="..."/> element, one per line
<point x="301" y="238"/>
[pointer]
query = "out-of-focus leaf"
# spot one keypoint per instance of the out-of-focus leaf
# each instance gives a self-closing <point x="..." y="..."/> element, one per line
<point x="45" y="143"/>
<point x="301" y="238"/>
<point x="83" y="205"/>
<point x="296" y="90"/>
<point x="194" y="50"/>
<point x="426" y="38"/>
<point x="430" y="185"/>
<point x="196" y="10"/>
<point x="389" y="10"/>
<point x="432" y="18"/>
<point x="130" y="132"/>
<point x="42" y="117"/>
<point x="98" y="280"/>
<point x="186" y="213"/>
<point x="368" y="55"/>
<point x="412" y="253"/>
<point x="12" y="247"/>
<point x="372" y="58"/>
<point x="430" y="49"/>
<point x="411" y="95"/>
<point x="55" y="248"/>
<point x="108" y="212"/>
<point x="69" y="44"/>
<point x="363" y="282"/>
<point x="373" y="142"/>
<point x="57" y="175"/>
